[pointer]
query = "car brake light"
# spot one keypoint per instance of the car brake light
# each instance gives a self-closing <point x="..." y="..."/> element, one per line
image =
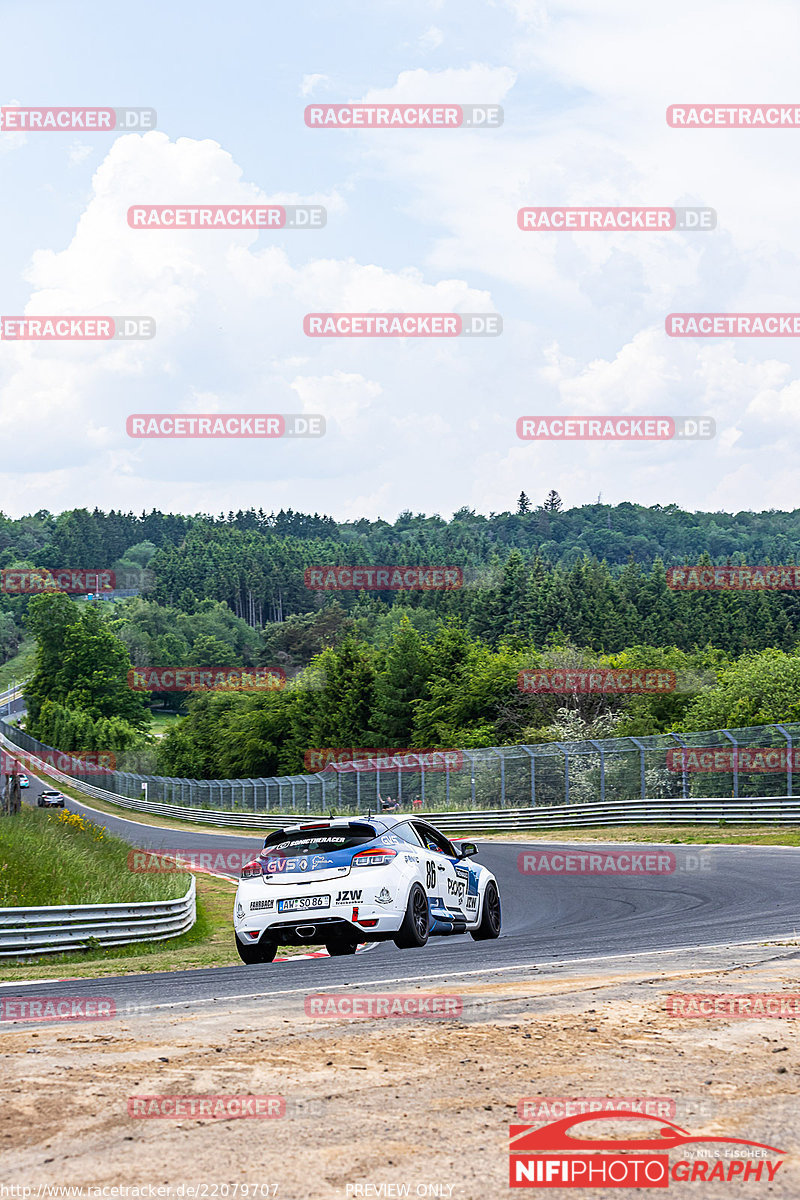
<point x="372" y="858"/>
<point x="367" y="924"/>
<point x="251" y="868"/>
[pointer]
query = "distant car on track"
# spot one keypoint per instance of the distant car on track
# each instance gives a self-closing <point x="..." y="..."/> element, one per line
<point x="350" y="880"/>
<point x="50" y="799"/>
<point x="24" y="782"/>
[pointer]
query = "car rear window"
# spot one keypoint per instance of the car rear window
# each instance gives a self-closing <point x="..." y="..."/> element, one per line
<point x="323" y="841"/>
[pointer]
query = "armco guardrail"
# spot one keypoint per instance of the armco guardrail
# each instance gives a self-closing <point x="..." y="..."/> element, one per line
<point x="61" y="927"/>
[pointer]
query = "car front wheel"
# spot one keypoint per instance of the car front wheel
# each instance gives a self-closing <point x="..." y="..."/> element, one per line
<point x="416" y="923"/>
<point x="490" y="916"/>
<point x="256" y="952"/>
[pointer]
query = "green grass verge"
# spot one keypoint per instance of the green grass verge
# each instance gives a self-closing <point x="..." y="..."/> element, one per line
<point x="162" y="721"/>
<point x="57" y="857"/>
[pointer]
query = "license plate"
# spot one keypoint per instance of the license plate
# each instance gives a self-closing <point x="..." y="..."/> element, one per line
<point x="300" y="902"/>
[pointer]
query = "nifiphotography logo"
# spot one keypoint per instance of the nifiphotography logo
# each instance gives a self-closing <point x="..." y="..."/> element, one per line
<point x="564" y="1154"/>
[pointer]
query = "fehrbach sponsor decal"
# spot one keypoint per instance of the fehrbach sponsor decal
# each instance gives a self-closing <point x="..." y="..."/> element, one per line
<point x="563" y="1154"/>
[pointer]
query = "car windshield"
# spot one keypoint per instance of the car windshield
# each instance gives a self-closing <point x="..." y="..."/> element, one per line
<point x="321" y="841"/>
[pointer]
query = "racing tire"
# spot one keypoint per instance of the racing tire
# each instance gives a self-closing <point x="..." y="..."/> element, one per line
<point x="256" y="952"/>
<point x="416" y="923"/>
<point x="490" y="915"/>
<point x="335" y="949"/>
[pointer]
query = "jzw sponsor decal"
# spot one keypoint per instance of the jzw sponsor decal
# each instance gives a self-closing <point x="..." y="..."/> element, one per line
<point x="472" y="902"/>
<point x="349" y="897"/>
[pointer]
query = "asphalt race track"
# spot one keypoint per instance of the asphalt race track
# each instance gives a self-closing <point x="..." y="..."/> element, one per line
<point x="715" y="897"/>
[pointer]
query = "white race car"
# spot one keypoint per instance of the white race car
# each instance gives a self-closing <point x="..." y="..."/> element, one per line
<point x="342" y="882"/>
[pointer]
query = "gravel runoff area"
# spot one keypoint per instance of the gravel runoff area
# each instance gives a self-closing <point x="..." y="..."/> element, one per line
<point x="396" y="1106"/>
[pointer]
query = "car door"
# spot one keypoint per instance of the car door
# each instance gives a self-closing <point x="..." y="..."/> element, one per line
<point x="445" y="881"/>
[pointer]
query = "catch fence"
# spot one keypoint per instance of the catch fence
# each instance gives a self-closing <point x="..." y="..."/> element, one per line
<point x="759" y="761"/>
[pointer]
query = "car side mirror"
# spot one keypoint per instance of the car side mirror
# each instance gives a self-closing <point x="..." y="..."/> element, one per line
<point x="467" y="850"/>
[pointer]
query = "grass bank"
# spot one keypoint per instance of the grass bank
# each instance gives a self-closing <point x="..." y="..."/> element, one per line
<point x="60" y="857"/>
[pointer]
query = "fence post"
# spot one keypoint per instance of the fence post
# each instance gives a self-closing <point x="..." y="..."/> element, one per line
<point x="530" y="752"/>
<point x="593" y="742"/>
<point x="470" y="755"/>
<point x="735" y="744"/>
<point x="684" y="747"/>
<point x="789" y="756"/>
<point x="636" y="742"/>
<point x="566" y="771"/>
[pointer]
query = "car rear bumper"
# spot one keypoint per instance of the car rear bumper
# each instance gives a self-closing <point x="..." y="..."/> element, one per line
<point x="310" y="932"/>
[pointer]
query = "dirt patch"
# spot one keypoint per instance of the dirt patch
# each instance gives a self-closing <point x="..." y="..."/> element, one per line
<point x="423" y="1103"/>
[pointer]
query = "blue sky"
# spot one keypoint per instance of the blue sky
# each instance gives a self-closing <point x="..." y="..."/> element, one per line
<point x="417" y="221"/>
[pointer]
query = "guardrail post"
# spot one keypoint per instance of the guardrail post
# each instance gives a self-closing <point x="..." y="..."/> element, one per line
<point x="789" y="756"/>
<point x="735" y="744"/>
<point x="636" y="742"/>
<point x="684" y="748"/>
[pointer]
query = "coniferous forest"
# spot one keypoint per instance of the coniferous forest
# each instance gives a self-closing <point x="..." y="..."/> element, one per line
<point x="543" y="586"/>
